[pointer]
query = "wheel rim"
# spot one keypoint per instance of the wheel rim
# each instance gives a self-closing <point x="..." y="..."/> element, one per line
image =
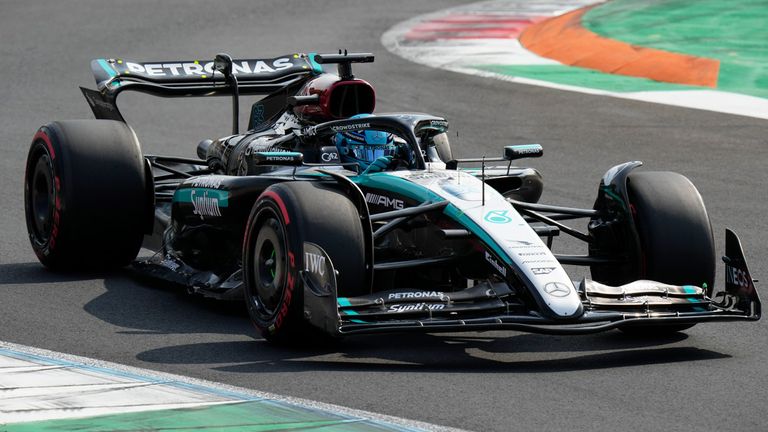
<point x="269" y="268"/>
<point x="42" y="199"/>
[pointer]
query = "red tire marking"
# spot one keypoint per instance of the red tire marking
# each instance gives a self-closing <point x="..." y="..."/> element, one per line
<point x="289" y="286"/>
<point x="290" y="280"/>
<point x="280" y="203"/>
<point x="40" y="135"/>
<point x="56" y="215"/>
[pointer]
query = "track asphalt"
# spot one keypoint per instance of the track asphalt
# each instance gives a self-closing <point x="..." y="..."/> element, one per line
<point x="712" y="377"/>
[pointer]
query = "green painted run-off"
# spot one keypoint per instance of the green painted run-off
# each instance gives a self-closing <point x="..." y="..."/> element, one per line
<point x="581" y="77"/>
<point x="250" y="416"/>
<point x="734" y="32"/>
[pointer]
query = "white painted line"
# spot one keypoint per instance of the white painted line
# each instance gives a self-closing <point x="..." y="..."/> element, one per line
<point x="707" y="100"/>
<point x="711" y="100"/>
<point x="36" y="390"/>
<point x="466" y="53"/>
<point x="74" y="387"/>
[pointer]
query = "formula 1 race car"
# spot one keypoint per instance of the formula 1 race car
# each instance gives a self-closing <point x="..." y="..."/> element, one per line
<point x="391" y="235"/>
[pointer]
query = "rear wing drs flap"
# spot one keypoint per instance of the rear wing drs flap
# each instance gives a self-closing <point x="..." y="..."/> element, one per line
<point x="192" y="78"/>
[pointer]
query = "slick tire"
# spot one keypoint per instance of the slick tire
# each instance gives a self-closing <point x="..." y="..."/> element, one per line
<point x="284" y="217"/>
<point x="676" y="242"/>
<point x="85" y="195"/>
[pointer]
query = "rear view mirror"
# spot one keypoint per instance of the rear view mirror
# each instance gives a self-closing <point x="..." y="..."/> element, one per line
<point x="521" y="151"/>
<point x="443" y="147"/>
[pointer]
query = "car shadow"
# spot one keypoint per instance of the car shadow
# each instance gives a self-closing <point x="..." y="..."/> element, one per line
<point x="36" y="273"/>
<point x="471" y="352"/>
<point x="136" y="305"/>
<point x="143" y="307"/>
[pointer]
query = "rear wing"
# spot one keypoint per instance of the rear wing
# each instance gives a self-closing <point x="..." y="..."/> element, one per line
<point x="258" y="74"/>
<point x="193" y="78"/>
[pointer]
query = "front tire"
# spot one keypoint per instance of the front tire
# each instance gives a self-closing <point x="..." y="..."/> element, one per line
<point x="676" y="242"/>
<point x="284" y="217"/>
<point x="85" y="195"/>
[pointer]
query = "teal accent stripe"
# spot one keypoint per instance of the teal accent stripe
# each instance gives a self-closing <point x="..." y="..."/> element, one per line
<point x="343" y="302"/>
<point x="107" y="68"/>
<point x="187" y="195"/>
<point x="397" y="185"/>
<point x="316" y="67"/>
<point x="459" y="216"/>
<point x="420" y="193"/>
<point x="616" y="197"/>
<point x="690" y="289"/>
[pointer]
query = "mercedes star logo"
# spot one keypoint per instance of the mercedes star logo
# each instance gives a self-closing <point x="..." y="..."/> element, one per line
<point x="557" y="289"/>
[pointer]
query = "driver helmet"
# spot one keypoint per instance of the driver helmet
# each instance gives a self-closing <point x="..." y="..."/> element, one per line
<point x="364" y="146"/>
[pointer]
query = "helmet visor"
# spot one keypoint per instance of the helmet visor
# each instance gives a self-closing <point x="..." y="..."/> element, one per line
<point x="370" y="152"/>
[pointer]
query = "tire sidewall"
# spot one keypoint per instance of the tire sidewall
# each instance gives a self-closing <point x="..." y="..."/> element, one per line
<point x="675" y="233"/>
<point x="43" y="146"/>
<point x="309" y="212"/>
<point x="100" y="194"/>
<point x="270" y="205"/>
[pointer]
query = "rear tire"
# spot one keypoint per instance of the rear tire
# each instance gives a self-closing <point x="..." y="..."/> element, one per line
<point x="676" y="242"/>
<point x="85" y="195"/>
<point x="284" y="217"/>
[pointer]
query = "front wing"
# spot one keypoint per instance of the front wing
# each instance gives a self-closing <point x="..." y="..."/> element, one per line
<point x="496" y="306"/>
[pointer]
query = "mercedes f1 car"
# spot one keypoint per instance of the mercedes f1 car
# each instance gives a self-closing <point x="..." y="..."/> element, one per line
<point x="314" y="243"/>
